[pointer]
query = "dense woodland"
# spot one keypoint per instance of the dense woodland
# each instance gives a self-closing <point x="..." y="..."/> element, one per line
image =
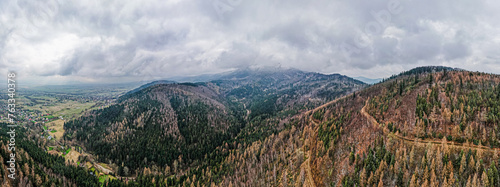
<point x="460" y="106"/>
<point x="449" y="140"/>
<point x="339" y="145"/>
<point x="430" y="126"/>
<point x="36" y="167"/>
<point x="176" y="129"/>
<point x="155" y="131"/>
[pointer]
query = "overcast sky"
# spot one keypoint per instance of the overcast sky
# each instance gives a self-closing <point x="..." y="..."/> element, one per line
<point x="52" y="42"/>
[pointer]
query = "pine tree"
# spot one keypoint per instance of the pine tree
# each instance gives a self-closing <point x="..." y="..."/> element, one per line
<point x="381" y="168"/>
<point x="401" y="89"/>
<point x="445" y="172"/>
<point x="475" y="181"/>
<point x="426" y="173"/>
<point x="469" y="184"/>
<point x="284" y="181"/>
<point x="484" y="179"/>
<point x="495" y="155"/>
<point x="472" y="163"/>
<point x="362" y="177"/>
<point x="412" y="157"/>
<point x="370" y="179"/>
<point x="450" y="167"/>
<point x="380" y="182"/>
<point x="413" y="181"/>
<point x="478" y="165"/>
<point x="433" y="164"/>
<point x="426" y="183"/>
<point x="434" y="181"/>
<point x="445" y="182"/>
<point x="451" y="179"/>
<point x="463" y="164"/>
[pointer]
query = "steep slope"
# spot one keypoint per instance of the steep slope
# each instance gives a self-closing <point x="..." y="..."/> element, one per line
<point x="156" y="125"/>
<point x="430" y="126"/>
<point x="35" y="167"/>
<point x="176" y="126"/>
<point x="379" y="136"/>
<point x="413" y="130"/>
<point x="291" y="89"/>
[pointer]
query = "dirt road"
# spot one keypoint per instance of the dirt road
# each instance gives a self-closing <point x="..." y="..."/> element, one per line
<point x="374" y="122"/>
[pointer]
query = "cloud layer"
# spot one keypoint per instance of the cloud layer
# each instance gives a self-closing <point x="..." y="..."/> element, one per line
<point x="109" y="41"/>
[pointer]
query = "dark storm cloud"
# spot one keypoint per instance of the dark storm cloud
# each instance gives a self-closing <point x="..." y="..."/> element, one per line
<point x="106" y="40"/>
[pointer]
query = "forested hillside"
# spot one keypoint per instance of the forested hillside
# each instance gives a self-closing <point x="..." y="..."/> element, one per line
<point x="35" y="167"/>
<point x="430" y="126"/>
<point x="157" y="125"/>
<point x="172" y="128"/>
<point x="426" y="127"/>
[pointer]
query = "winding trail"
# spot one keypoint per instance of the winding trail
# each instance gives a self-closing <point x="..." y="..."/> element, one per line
<point x="309" y="181"/>
<point x="417" y="141"/>
<point x="326" y="104"/>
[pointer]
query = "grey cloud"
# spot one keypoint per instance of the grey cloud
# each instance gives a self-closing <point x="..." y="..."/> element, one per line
<point x="161" y="39"/>
<point x="386" y="50"/>
<point x="421" y="46"/>
<point x="455" y="50"/>
<point x="240" y="56"/>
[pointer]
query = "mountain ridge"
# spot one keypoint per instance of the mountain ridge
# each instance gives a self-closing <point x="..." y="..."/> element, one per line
<point x="171" y="112"/>
<point x="424" y="127"/>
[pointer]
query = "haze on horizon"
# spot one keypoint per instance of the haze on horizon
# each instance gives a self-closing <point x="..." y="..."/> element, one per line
<point x="58" y="42"/>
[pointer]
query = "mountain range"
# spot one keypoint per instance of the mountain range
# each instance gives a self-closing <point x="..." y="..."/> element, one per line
<point x="171" y="117"/>
<point x="429" y="126"/>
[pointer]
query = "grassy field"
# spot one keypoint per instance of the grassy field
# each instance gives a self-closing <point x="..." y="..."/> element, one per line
<point x="58" y="126"/>
<point x="68" y="109"/>
<point x="68" y="102"/>
<point x="73" y="156"/>
<point x="104" y="178"/>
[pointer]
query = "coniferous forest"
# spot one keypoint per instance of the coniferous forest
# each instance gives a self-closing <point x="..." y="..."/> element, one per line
<point x="430" y="126"/>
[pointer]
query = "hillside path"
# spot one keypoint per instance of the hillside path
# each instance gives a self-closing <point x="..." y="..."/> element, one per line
<point x="327" y="104"/>
<point x="309" y="180"/>
<point x="417" y="141"/>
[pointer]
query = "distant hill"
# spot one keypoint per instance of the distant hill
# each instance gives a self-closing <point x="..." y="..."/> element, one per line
<point x="368" y="80"/>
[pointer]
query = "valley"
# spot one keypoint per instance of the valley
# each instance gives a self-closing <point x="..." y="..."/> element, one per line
<point x="44" y="110"/>
<point x="268" y="129"/>
<point x="231" y="93"/>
